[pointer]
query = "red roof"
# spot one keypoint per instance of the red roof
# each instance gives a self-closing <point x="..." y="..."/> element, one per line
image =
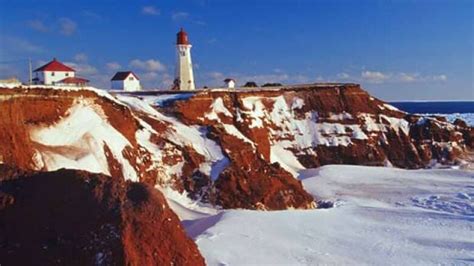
<point x="55" y="65"/>
<point x="123" y="75"/>
<point x="73" y="80"/>
<point x="182" y="37"/>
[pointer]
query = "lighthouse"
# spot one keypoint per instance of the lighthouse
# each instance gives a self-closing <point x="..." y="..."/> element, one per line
<point x="184" y="79"/>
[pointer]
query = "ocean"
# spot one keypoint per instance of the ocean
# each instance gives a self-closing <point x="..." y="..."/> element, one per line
<point x="451" y="110"/>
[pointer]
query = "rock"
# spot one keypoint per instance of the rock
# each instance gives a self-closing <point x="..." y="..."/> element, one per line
<point x="72" y="217"/>
<point x="231" y="148"/>
<point x="460" y="123"/>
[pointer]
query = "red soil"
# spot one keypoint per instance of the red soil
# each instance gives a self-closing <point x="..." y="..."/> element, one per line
<point x="76" y="218"/>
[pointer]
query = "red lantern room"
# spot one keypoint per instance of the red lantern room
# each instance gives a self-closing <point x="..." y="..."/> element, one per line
<point x="182" y="37"/>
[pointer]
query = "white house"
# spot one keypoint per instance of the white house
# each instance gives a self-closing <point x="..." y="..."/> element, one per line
<point x="126" y="80"/>
<point x="55" y="72"/>
<point x="229" y="83"/>
<point x="184" y="79"/>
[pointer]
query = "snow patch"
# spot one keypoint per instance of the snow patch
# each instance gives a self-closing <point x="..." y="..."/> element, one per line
<point x="77" y="142"/>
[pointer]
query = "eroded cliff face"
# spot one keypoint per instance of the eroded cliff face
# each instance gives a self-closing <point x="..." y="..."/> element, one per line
<point x="233" y="149"/>
<point x="72" y="217"/>
<point x="46" y="129"/>
<point x="305" y="127"/>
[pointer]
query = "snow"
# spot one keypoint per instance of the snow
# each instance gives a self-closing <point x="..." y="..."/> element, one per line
<point x="389" y="107"/>
<point x="183" y="135"/>
<point x="285" y="158"/>
<point x="468" y="117"/>
<point x="217" y="107"/>
<point x="77" y="142"/>
<point x="166" y="99"/>
<point x="255" y="109"/>
<point x="382" y="216"/>
<point x="184" y="207"/>
<point x="340" y="116"/>
<point x="232" y="130"/>
<point x="298" y="103"/>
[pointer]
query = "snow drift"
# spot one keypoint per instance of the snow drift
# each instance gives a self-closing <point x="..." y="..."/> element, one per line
<point x="381" y="216"/>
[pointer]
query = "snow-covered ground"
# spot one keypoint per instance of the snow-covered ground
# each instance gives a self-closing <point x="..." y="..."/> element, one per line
<point x="381" y="216"/>
<point x="468" y="117"/>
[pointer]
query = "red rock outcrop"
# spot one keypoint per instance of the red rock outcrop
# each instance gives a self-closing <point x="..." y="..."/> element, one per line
<point x="231" y="148"/>
<point x="329" y="124"/>
<point x="71" y="217"/>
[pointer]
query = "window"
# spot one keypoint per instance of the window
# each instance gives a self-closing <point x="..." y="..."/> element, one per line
<point x="52" y="74"/>
<point x="130" y="78"/>
<point x="67" y="74"/>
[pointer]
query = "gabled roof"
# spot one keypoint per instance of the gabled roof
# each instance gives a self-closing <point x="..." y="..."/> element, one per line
<point x="123" y="75"/>
<point x="73" y="80"/>
<point x="55" y="65"/>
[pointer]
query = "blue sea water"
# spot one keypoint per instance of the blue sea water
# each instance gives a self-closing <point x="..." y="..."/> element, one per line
<point x="452" y="110"/>
<point x="435" y="107"/>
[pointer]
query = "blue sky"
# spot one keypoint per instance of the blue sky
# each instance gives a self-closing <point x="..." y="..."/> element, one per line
<point x="397" y="50"/>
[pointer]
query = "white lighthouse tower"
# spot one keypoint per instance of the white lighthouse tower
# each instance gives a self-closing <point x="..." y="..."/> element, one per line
<point x="184" y="67"/>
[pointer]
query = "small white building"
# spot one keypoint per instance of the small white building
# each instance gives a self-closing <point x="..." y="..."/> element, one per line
<point x="126" y="80"/>
<point x="53" y="73"/>
<point x="229" y="83"/>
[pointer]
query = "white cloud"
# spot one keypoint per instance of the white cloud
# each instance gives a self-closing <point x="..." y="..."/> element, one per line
<point x="154" y="80"/>
<point x="440" y="77"/>
<point x="150" y="65"/>
<point x="180" y="15"/>
<point x="267" y="78"/>
<point x="215" y="78"/>
<point x="113" y="66"/>
<point x="215" y="75"/>
<point x="374" y="76"/>
<point x="416" y="77"/>
<point x="13" y="45"/>
<point x="343" y="75"/>
<point x="149" y="76"/>
<point x="67" y="26"/>
<point x="38" y="25"/>
<point x="404" y="77"/>
<point x="83" y="69"/>
<point x="81" y="57"/>
<point x="150" y="10"/>
<point x="277" y="70"/>
<point x="300" y="79"/>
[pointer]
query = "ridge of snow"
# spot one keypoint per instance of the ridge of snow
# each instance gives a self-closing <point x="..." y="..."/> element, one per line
<point x="184" y="135"/>
<point x="340" y="116"/>
<point x="391" y="107"/>
<point x="217" y="107"/>
<point x="164" y="99"/>
<point x="77" y="142"/>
